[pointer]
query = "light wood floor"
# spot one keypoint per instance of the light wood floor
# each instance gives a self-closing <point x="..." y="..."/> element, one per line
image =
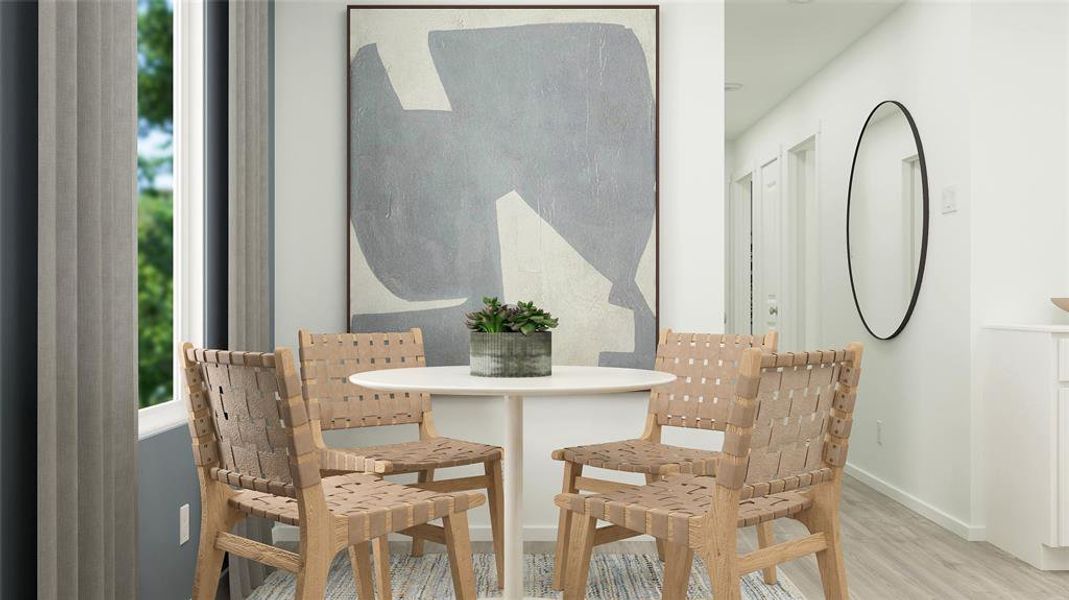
<point x="892" y="553"/>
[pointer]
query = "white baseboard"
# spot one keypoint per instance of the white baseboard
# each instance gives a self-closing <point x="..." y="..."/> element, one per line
<point x="479" y="533"/>
<point x="972" y="533"/>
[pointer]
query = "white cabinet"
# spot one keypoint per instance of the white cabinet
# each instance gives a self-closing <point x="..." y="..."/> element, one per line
<point x="1023" y="441"/>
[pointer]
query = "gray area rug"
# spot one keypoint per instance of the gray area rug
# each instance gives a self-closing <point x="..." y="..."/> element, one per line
<point x="612" y="577"/>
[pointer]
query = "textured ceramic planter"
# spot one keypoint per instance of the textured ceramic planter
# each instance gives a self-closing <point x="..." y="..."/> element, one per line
<point x="511" y="354"/>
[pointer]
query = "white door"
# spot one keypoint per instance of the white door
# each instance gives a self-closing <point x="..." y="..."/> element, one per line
<point x="769" y="251"/>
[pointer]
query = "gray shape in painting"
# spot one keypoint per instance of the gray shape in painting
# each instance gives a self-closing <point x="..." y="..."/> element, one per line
<point x="561" y="113"/>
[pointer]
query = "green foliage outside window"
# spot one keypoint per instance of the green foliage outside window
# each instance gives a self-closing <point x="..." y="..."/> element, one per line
<point x="155" y="219"/>
<point x="155" y="64"/>
<point x="155" y="294"/>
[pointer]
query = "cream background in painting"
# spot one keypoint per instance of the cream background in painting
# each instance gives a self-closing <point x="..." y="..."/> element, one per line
<point x="537" y="264"/>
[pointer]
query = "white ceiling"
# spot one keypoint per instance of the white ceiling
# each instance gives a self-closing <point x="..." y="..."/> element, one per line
<point x="773" y="46"/>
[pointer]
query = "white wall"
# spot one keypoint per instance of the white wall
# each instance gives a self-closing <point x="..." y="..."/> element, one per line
<point x="310" y="244"/>
<point x="1019" y="124"/>
<point x="918" y="384"/>
<point x="987" y="86"/>
<point x="1020" y="149"/>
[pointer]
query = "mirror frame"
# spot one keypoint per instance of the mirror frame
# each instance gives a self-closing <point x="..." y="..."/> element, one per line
<point x="924" y="232"/>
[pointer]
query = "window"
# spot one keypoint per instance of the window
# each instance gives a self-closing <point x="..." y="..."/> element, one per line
<point x="155" y="222"/>
<point x="170" y="212"/>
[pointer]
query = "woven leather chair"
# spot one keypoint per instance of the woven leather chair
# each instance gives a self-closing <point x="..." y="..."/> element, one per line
<point x="252" y="444"/>
<point x="327" y="361"/>
<point x="784" y="449"/>
<point x="706" y="366"/>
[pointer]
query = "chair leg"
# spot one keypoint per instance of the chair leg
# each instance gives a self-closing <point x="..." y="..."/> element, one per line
<point x="766" y="538"/>
<point x="564" y="526"/>
<point x="458" y="545"/>
<point x="315" y="567"/>
<point x="660" y="543"/>
<point x="830" y="562"/>
<point x="582" y="545"/>
<point x="495" y="492"/>
<point x="823" y="516"/>
<point x="721" y="560"/>
<point x="417" y="543"/>
<point x="678" y="560"/>
<point x="360" y="556"/>
<point x="209" y="559"/>
<point x="381" y="548"/>
<point x="312" y="579"/>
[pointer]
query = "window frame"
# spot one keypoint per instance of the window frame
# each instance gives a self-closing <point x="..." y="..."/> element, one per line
<point x="188" y="198"/>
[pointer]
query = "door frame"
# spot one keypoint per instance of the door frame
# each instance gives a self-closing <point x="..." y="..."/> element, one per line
<point x="805" y="218"/>
<point x="737" y="181"/>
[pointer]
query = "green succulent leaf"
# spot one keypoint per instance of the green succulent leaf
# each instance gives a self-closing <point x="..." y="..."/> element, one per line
<point x="495" y="317"/>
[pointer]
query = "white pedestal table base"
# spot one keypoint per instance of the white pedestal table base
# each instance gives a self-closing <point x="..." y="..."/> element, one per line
<point x="513" y="475"/>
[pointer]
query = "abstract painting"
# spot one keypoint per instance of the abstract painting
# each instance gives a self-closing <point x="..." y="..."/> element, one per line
<point x="510" y="152"/>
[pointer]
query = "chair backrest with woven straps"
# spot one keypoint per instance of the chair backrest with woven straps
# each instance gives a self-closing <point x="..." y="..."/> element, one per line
<point x="790" y="420"/>
<point x="327" y="361"/>
<point x="249" y="423"/>
<point x="706" y="366"/>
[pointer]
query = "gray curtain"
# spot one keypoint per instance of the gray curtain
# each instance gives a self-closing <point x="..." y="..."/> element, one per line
<point x="87" y="300"/>
<point x="249" y="318"/>
<point x="249" y="299"/>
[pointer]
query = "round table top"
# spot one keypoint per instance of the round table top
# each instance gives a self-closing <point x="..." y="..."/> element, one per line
<point x="565" y="380"/>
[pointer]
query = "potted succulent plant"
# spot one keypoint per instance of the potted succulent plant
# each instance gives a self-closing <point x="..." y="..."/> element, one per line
<point x="511" y="341"/>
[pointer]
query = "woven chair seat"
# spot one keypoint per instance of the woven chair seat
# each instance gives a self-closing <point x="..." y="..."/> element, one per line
<point x="669" y="509"/>
<point x="371" y="506"/>
<point x="408" y="457"/>
<point x="641" y="456"/>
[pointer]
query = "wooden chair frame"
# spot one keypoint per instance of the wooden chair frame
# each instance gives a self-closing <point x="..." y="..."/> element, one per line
<point x="713" y="535"/>
<point x="417" y="412"/>
<point x="576" y="482"/>
<point x="323" y="532"/>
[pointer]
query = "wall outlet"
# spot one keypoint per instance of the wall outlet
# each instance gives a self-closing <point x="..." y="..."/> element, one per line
<point x="950" y="200"/>
<point x="183" y="524"/>
<point x="879" y="433"/>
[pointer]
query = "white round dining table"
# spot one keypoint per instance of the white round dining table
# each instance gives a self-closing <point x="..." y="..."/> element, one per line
<point x="565" y="381"/>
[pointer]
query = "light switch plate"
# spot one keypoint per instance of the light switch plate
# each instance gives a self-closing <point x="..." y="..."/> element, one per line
<point x="950" y="200"/>
<point x="183" y="524"/>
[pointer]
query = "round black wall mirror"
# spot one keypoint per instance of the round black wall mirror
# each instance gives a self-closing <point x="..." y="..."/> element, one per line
<point x="887" y="220"/>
